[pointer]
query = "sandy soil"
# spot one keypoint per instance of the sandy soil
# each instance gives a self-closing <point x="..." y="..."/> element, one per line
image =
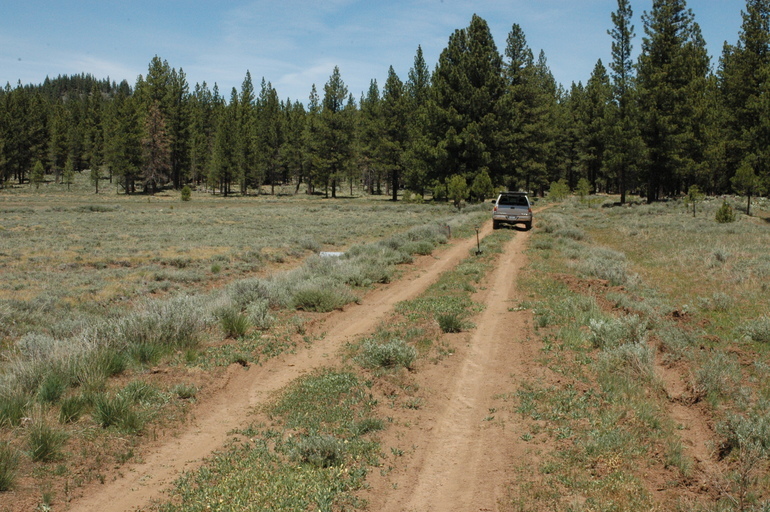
<point x="497" y="354"/>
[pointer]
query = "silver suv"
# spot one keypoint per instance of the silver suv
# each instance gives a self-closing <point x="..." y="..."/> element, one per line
<point x="512" y="208"/>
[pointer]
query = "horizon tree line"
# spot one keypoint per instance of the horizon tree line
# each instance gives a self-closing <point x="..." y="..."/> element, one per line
<point x="655" y="126"/>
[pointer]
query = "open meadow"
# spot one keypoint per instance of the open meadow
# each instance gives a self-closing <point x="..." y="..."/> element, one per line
<point x="96" y="290"/>
<point x="644" y="333"/>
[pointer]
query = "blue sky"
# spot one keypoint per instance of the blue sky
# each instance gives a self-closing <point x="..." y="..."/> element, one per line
<point x="296" y="43"/>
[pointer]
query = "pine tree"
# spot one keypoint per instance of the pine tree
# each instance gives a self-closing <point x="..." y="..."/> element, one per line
<point x="624" y="142"/>
<point x="269" y="134"/>
<point x="371" y="133"/>
<point x="292" y="151"/>
<point x="394" y="115"/>
<point x="156" y="150"/>
<point x="224" y="168"/>
<point x="419" y="154"/>
<point x="37" y="176"/>
<point x="123" y="139"/>
<point x="530" y="104"/>
<point x="335" y="139"/>
<point x="467" y="116"/>
<point x="743" y="73"/>
<point x="312" y="140"/>
<point x="593" y="139"/>
<point x="672" y="72"/>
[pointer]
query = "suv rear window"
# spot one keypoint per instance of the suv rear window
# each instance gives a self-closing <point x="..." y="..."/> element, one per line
<point x="513" y="201"/>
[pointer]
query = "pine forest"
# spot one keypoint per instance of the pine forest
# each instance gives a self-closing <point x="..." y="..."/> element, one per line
<point x="655" y="126"/>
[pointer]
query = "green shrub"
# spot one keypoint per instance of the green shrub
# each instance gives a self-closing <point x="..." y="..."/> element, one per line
<point x="45" y="442"/>
<point x="186" y="193"/>
<point x="9" y="462"/>
<point x="321" y="451"/>
<point x="725" y="213"/>
<point x="321" y="297"/>
<point x="392" y="354"/>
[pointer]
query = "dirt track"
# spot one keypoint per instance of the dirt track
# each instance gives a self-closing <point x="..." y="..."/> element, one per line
<point x="458" y="450"/>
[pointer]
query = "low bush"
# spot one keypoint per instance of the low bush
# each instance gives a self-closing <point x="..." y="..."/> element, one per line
<point x="391" y="354"/>
<point x="322" y="297"/>
<point x="321" y="451"/>
<point x="757" y="330"/>
<point x="258" y="313"/>
<point x="613" y="332"/>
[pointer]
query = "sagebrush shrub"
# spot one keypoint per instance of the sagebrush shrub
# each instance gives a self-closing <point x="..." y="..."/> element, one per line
<point x="391" y="354"/>
<point x="758" y="330"/>
<point x="321" y="451"/>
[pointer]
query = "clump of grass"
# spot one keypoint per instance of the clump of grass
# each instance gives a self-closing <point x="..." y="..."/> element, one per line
<point x="138" y="391"/>
<point x="392" y="354"/>
<point x="44" y="442"/>
<point x="52" y="388"/>
<point x="70" y="409"/>
<point x="321" y="451"/>
<point x="450" y="322"/>
<point x="234" y="324"/>
<point x="117" y="411"/>
<point x="13" y="407"/>
<point x="185" y="391"/>
<point x="9" y="463"/>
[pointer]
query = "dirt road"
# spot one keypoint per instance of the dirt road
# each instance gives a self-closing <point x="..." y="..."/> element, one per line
<point x="462" y="445"/>
<point x="459" y="451"/>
